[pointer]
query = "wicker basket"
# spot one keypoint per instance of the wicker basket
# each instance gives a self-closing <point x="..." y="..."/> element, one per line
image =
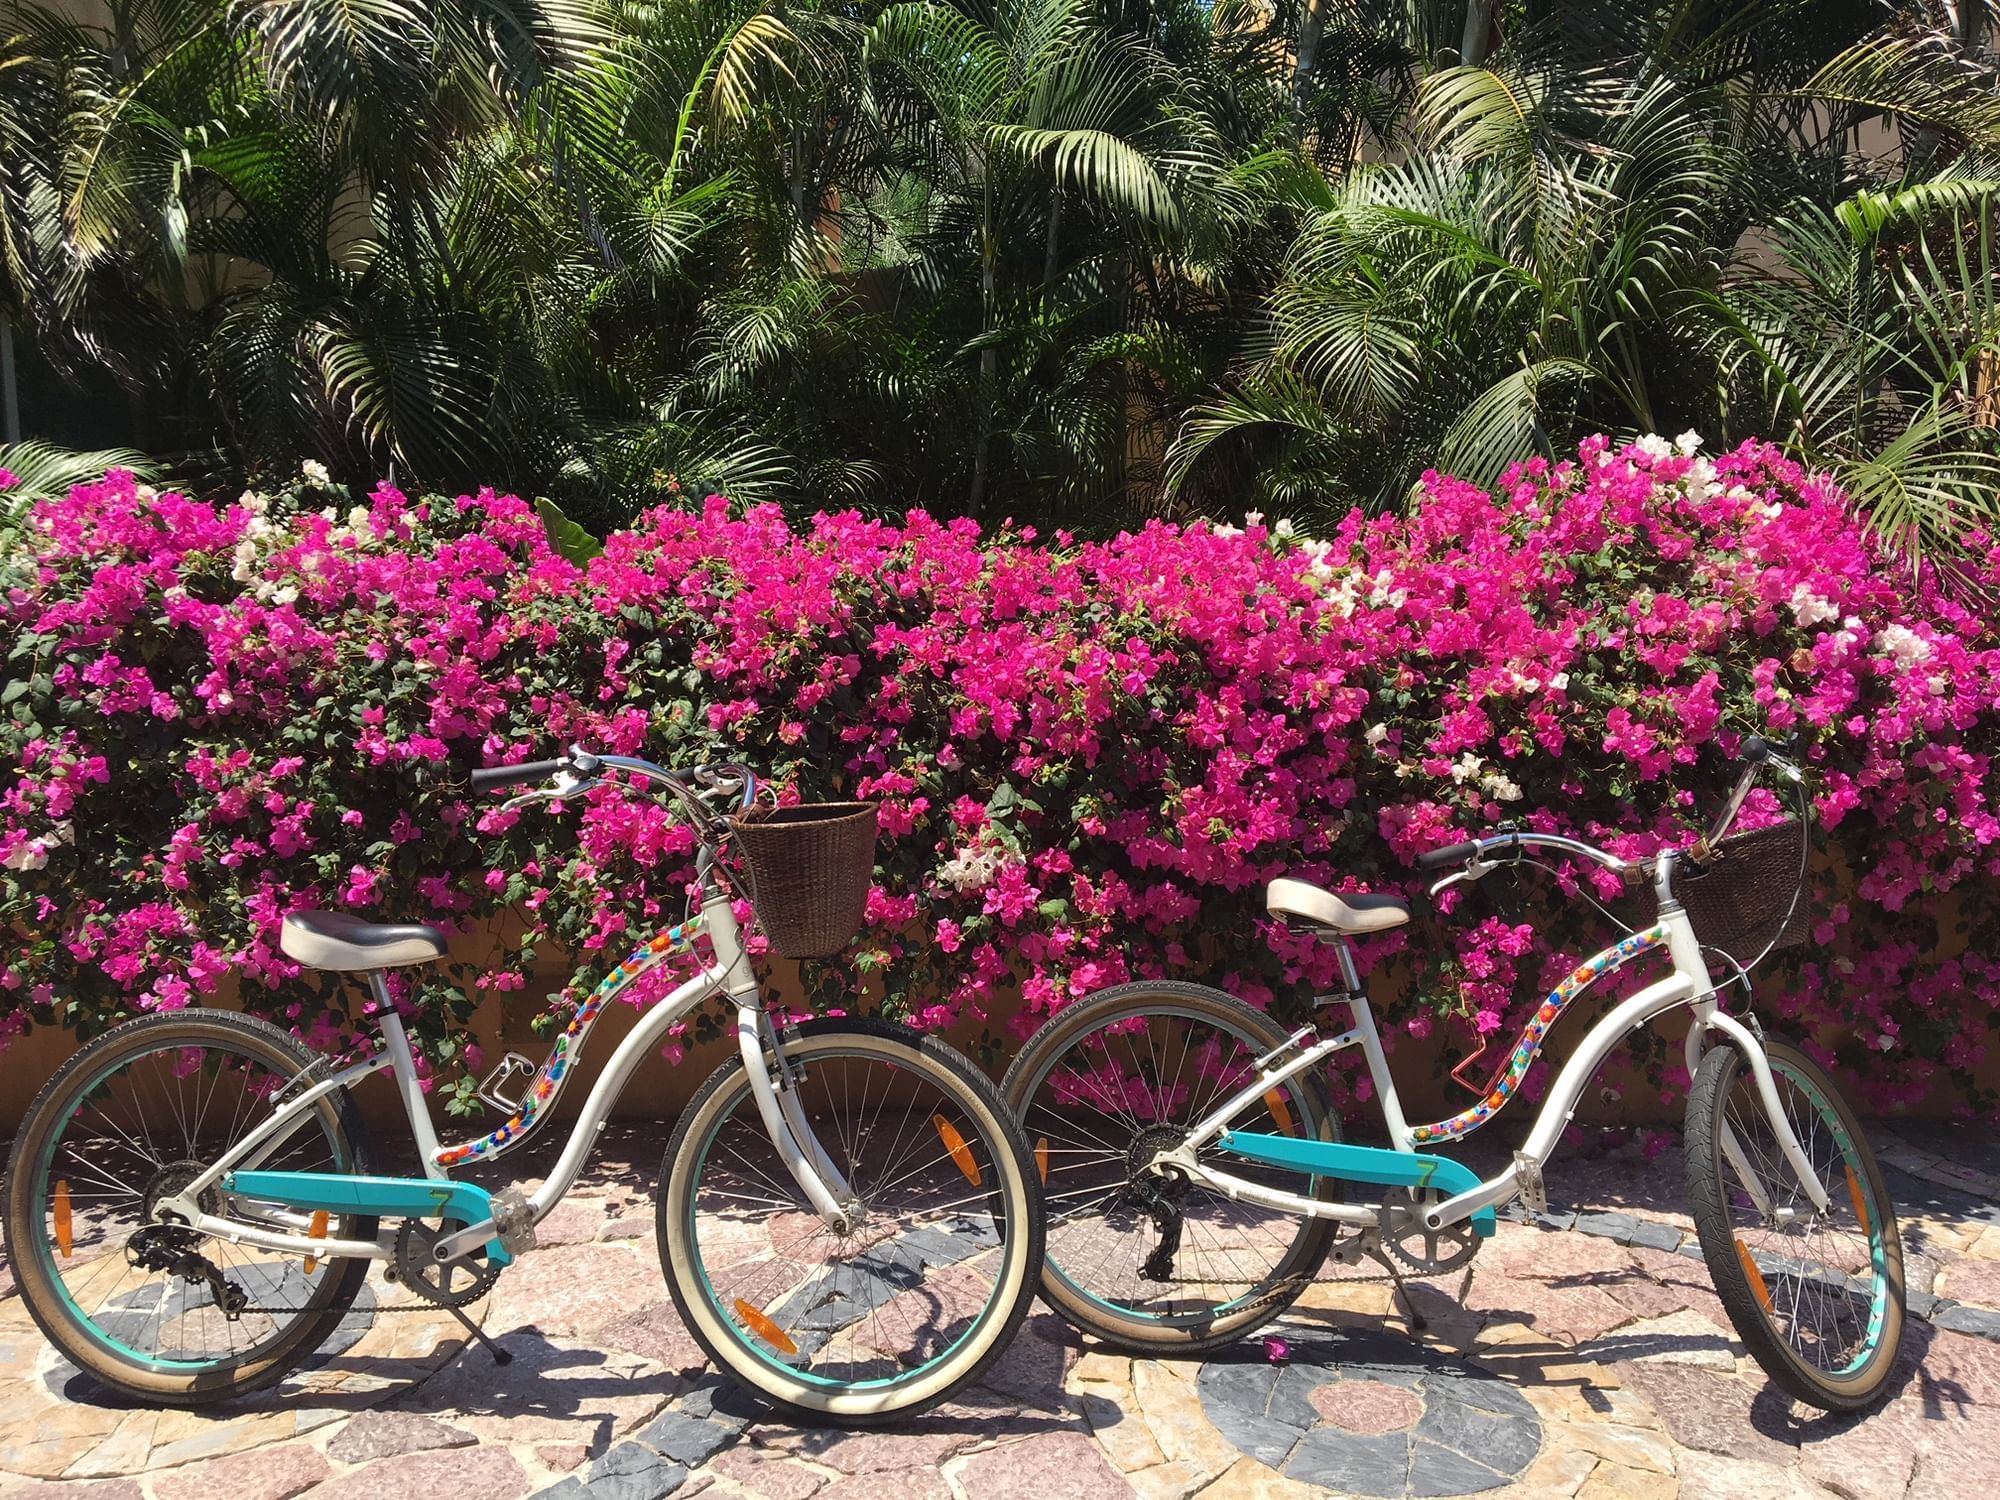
<point x="810" y="868"/>
<point x="1747" y="897"/>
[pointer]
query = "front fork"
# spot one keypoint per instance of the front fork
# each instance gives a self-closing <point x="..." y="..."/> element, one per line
<point x="1708" y="1016"/>
<point x="775" y="1088"/>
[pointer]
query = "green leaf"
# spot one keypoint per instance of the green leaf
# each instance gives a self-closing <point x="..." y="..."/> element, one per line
<point x="569" y="539"/>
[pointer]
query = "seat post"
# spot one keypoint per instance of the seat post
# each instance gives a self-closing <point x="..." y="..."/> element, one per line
<point x="404" y="1062"/>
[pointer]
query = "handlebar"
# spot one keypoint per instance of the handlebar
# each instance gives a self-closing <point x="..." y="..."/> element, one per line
<point x="1754" y="754"/>
<point x="492" y="778"/>
<point x="1449" y="854"/>
<point x="580" y="770"/>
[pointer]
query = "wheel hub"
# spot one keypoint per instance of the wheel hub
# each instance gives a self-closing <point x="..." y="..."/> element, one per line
<point x="1148" y="1144"/>
<point x="171" y="1181"/>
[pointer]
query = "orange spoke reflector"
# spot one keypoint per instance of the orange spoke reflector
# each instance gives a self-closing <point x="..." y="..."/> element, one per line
<point x="64" y="1229"/>
<point x="955" y="1144"/>
<point x="1042" y="1157"/>
<point x="764" y="1328"/>
<point x="1756" y="1276"/>
<point x="318" y="1232"/>
<point x="1280" y="1111"/>
<point x="1860" y="1203"/>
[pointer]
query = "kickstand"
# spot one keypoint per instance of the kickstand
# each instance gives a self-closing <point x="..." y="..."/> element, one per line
<point x="500" y="1356"/>
<point x="1417" y="1321"/>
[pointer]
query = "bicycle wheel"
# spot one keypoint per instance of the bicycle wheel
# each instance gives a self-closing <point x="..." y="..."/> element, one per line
<point x="132" y="1118"/>
<point x="1142" y="1261"/>
<point x="915" y="1300"/>
<point x="1817" y="1297"/>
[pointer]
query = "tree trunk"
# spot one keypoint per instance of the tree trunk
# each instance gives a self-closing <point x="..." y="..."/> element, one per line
<point x="1311" y="30"/>
<point x="1477" y="40"/>
<point x="1049" y="253"/>
<point x="989" y="357"/>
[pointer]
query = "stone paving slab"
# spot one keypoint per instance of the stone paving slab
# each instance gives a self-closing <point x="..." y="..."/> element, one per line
<point x="1589" y="1358"/>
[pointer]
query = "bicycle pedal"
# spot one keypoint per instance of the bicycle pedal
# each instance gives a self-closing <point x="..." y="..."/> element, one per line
<point x="514" y="1220"/>
<point x="493" y="1088"/>
<point x="1528" y="1173"/>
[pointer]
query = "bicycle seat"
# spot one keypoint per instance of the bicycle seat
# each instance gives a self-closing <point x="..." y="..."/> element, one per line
<point x="1352" y="912"/>
<point x="334" y="940"/>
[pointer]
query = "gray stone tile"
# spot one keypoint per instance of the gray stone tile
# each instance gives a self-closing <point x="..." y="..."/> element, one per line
<point x="1612" y="1226"/>
<point x="633" y="1471"/>
<point x="1336" y="1460"/>
<point x="685" y="1439"/>
<point x="1959" y="1318"/>
<point x="1506" y="1444"/>
<point x="1440" y="1471"/>
<point x="1655" y="1235"/>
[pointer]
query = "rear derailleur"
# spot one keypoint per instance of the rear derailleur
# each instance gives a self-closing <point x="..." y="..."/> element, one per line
<point x="176" y="1250"/>
<point x="1158" y="1194"/>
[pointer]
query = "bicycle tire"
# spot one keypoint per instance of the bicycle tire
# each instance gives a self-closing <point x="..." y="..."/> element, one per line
<point x="27" y="1235"/>
<point x="1271" y="1294"/>
<point x="1016" y="1211"/>
<point x="1732" y="1264"/>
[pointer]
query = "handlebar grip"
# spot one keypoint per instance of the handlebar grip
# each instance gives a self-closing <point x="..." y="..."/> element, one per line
<point x="492" y="778"/>
<point x="1450" y="854"/>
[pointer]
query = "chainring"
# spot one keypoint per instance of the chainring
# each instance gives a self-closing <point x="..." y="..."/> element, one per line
<point x="1427" y="1251"/>
<point x="442" y="1285"/>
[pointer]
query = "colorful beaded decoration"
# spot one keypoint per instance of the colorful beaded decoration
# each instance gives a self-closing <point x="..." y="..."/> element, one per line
<point x="1537" y="1031"/>
<point x="569" y="1046"/>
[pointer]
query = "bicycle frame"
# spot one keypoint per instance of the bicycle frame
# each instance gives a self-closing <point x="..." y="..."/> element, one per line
<point x="1689" y="985"/>
<point x="730" y="974"/>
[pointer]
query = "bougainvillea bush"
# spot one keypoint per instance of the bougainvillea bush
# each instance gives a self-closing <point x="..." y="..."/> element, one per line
<point x="1089" y="756"/>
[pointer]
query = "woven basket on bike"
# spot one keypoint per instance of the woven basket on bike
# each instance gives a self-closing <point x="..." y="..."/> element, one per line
<point x="1748" y="896"/>
<point x="810" y="867"/>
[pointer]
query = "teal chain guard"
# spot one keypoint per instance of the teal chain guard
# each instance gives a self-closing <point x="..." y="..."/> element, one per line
<point x="1372" y="1164"/>
<point x="381" y="1197"/>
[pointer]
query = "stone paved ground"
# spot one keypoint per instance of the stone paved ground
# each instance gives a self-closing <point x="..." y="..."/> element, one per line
<point x="1590" y="1358"/>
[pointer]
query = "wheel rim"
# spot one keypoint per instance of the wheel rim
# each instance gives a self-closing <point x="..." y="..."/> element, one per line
<point x="914" y="1286"/>
<point x="1820" y="1279"/>
<point x="1128" y="1086"/>
<point x="134" y="1132"/>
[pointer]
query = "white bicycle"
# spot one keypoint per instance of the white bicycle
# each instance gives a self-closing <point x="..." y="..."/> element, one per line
<point x="1197" y="1180"/>
<point x="848" y="1217"/>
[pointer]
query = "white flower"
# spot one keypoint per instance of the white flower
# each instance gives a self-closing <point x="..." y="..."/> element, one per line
<point x="314" y="471"/>
<point x="1810" y="609"/>
<point x="970" y="869"/>
<point x="1376" y="733"/>
<point x="1285" y="529"/>
<point x="32" y="855"/>
<point x="287" y="595"/>
<point x="1219" y="529"/>
<point x="1466" y="767"/>
<point x="1688" y="441"/>
<point x="1559" y="683"/>
<point x="1253" y="518"/>
<point x="1654" y="446"/>
<point x="1500" y="787"/>
<point x="1700" y="482"/>
<point x="1904" y="644"/>
<point x="1384" y="592"/>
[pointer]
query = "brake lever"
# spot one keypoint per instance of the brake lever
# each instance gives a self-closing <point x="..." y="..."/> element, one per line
<point x="1475" y="869"/>
<point x="567" y="784"/>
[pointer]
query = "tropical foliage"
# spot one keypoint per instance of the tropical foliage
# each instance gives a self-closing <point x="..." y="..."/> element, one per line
<point x="1077" y="260"/>
<point x="1088" y="756"/>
